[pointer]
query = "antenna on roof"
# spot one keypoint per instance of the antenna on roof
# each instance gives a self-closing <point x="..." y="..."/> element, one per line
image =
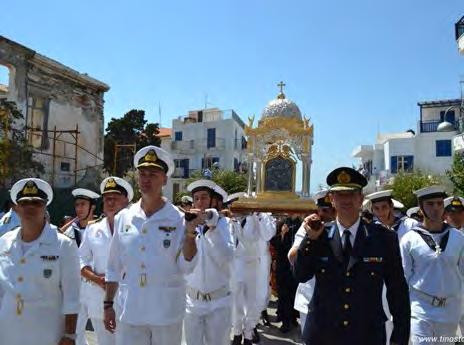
<point x="159" y="114"/>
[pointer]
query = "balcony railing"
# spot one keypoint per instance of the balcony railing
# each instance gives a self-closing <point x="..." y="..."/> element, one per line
<point x="182" y="172"/>
<point x="432" y="126"/>
<point x="183" y="145"/>
<point x="218" y="144"/>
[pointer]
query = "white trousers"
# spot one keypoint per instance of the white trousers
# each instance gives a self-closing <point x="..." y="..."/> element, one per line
<point x="432" y="333"/>
<point x="82" y="318"/>
<point x="103" y="336"/>
<point x="210" y="329"/>
<point x="246" y="308"/>
<point x="148" y="335"/>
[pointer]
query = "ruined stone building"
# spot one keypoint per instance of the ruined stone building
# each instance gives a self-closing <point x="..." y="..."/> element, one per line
<point x="63" y="112"/>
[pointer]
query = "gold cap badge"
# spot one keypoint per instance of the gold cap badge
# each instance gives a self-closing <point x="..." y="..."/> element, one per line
<point x="343" y="177"/>
<point x="150" y="156"/>
<point x="111" y="183"/>
<point x="30" y="188"/>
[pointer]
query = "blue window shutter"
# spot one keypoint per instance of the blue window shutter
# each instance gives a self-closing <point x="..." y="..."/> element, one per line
<point x="211" y="137"/>
<point x="393" y="164"/>
<point x="443" y="148"/>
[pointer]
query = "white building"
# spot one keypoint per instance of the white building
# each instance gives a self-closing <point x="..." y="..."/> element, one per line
<point x="459" y="34"/>
<point x="201" y="139"/>
<point x="429" y="149"/>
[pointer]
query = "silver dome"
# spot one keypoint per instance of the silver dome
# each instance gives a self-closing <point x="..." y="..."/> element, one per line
<point x="281" y="107"/>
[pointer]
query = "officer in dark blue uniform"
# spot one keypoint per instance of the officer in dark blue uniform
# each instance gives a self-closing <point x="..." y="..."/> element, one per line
<point x="351" y="261"/>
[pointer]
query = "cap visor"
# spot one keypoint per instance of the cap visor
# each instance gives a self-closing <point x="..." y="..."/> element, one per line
<point x="344" y="188"/>
<point x="147" y="164"/>
<point x="31" y="198"/>
<point x="112" y="191"/>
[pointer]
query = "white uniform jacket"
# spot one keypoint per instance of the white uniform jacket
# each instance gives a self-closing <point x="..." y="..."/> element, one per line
<point x="38" y="288"/>
<point x="146" y="259"/>
<point x="93" y="253"/>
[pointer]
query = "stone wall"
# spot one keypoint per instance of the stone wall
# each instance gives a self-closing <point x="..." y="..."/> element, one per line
<point x="51" y="95"/>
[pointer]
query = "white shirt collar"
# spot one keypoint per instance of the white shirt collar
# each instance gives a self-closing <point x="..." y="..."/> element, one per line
<point x="353" y="229"/>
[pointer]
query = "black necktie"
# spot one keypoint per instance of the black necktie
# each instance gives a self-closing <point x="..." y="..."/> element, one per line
<point x="347" y="248"/>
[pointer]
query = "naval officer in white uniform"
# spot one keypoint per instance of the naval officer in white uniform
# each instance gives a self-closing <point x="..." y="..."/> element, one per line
<point x="150" y="252"/>
<point x="39" y="274"/>
<point x="94" y="249"/>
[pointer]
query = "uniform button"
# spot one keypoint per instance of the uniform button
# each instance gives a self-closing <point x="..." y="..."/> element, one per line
<point x="20" y="279"/>
<point x="322" y="270"/>
<point x="372" y="273"/>
<point x="348" y="274"/>
<point x="346" y="306"/>
<point x="142" y="248"/>
<point x="22" y="261"/>
<point x="345" y="323"/>
<point x="347" y="290"/>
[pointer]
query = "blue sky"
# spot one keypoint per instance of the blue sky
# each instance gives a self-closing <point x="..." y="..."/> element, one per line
<point x="355" y="67"/>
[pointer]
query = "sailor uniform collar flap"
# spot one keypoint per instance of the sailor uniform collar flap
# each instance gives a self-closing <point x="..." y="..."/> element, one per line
<point x="436" y="247"/>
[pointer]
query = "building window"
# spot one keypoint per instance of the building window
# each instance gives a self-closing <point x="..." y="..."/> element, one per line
<point x="37" y="109"/>
<point x="211" y="138"/>
<point x="65" y="166"/>
<point x="401" y="163"/>
<point x="178" y="136"/>
<point x="443" y="148"/>
<point x="182" y="168"/>
<point x="244" y="143"/>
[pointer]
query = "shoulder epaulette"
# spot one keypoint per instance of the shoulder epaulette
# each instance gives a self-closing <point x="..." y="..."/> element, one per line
<point x="99" y="219"/>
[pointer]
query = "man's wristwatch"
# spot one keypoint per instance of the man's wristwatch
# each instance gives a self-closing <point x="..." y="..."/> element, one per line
<point x="71" y="336"/>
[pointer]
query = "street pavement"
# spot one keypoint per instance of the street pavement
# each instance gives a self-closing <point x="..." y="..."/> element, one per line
<point x="269" y="335"/>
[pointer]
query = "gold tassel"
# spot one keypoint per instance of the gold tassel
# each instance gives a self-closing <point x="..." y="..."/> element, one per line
<point x="19" y="305"/>
<point x="143" y="280"/>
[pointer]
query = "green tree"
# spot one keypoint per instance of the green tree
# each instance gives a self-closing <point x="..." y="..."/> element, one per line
<point x="231" y="181"/>
<point x="130" y="129"/>
<point x="404" y="184"/>
<point x="456" y="174"/>
<point x="16" y="154"/>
